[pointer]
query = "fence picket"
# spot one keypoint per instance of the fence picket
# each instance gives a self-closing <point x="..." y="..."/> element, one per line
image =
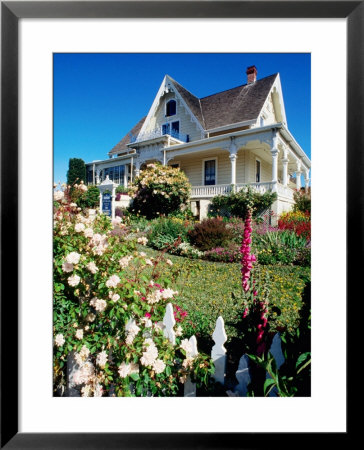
<point x="243" y="376"/>
<point x="276" y="351"/>
<point x="189" y="387"/>
<point x="218" y="352"/>
<point x="218" y="355"/>
<point x="169" y="322"/>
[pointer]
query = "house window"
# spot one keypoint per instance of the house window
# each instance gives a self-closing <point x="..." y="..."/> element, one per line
<point x="257" y="171"/>
<point x="175" y="129"/>
<point x="89" y="175"/>
<point x="171" y="108"/>
<point x="171" y="129"/>
<point x="165" y="128"/>
<point x="210" y="172"/>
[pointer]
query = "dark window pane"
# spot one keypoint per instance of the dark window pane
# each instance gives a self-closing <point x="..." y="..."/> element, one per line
<point x="122" y="171"/>
<point x="175" y="129"/>
<point x="171" y="108"/>
<point x="210" y="172"/>
<point x="165" y="128"/>
<point x="257" y="176"/>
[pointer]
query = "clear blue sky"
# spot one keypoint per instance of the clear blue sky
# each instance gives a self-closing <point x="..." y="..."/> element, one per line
<point x="98" y="98"/>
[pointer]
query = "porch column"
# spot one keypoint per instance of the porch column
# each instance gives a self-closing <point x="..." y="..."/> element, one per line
<point x="137" y="168"/>
<point x="298" y="176"/>
<point x="131" y="170"/>
<point x="274" y="152"/>
<point x="307" y="179"/>
<point x="233" y="157"/>
<point x="113" y="202"/>
<point x="285" y="168"/>
<point x="98" y="171"/>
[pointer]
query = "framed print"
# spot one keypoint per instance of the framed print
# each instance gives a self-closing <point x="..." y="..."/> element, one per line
<point x="37" y="39"/>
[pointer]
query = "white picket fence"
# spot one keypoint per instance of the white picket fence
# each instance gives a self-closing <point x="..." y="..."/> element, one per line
<point x="218" y="355"/>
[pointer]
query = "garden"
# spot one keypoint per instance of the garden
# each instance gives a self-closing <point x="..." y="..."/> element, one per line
<point x="113" y="280"/>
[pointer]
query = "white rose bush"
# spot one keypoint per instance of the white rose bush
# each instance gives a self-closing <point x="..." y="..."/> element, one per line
<point x="109" y="304"/>
<point x="159" y="190"/>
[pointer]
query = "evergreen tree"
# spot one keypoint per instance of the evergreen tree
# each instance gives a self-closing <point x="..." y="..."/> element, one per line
<point x="76" y="171"/>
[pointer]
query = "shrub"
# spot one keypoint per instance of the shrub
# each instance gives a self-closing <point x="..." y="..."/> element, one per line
<point x="297" y="221"/>
<point x="236" y="204"/>
<point x="220" y="254"/>
<point x="277" y="246"/>
<point x="236" y="225"/>
<point x="186" y="249"/>
<point x="85" y="196"/>
<point x="276" y="254"/>
<point x="76" y="171"/>
<point x="302" y="201"/>
<point x="120" y="212"/>
<point x="303" y="257"/>
<point x="165" y="231"/>
<point x="108" y="310"/>
<point x="159" y="190"/>
<point x="210" y="233"/>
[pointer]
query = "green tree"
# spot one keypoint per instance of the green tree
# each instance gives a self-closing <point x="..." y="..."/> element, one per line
<point x="76" y="171"/>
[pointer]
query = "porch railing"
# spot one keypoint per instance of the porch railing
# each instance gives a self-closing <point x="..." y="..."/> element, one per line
<point x="223" y="189"/>
<point x="210" y="191"/>
<point x="259" y="187"/>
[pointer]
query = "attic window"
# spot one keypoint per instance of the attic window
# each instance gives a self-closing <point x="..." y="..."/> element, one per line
<point x="171" y="108"/>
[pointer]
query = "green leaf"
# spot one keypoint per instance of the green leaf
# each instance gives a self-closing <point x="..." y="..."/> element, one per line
<point x="302" y="358"/>
<point x="134" y="376"/>
<point x="268" y="386"/>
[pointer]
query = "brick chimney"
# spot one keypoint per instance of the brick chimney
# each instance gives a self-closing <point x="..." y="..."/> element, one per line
<point x="252" y="74"/>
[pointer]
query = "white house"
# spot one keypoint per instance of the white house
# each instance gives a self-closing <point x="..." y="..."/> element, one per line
<point x="222" y="142"/>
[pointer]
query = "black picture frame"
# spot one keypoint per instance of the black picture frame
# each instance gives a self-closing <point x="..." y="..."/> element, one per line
<point x="11" y="12"/>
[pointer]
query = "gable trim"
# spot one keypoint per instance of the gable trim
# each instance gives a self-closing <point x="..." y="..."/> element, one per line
<point x="278" y="86"/>
<point x="167" y="82"/>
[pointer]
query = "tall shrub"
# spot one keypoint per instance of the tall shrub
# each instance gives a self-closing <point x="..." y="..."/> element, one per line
<point x="76" y="171"/>
<point x="210" y="233"/>
<point x="159" y="190"/>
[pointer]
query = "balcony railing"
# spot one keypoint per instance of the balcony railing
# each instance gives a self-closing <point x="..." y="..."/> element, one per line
<point x="224" y="189"/>
<point x="156" y="134"/>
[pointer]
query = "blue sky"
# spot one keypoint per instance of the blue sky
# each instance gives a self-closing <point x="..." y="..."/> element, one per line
<point x="98" y="98"/>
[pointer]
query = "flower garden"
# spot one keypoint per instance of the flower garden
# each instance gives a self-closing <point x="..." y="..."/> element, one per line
<point x="114" y="278"/>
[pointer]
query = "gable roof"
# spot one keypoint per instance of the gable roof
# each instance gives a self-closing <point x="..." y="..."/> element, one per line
<point x="235" y="105"/>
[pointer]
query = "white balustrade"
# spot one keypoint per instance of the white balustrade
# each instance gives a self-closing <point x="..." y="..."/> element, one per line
<point x="210" y="191"/>
<point x="224" y="189"/>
